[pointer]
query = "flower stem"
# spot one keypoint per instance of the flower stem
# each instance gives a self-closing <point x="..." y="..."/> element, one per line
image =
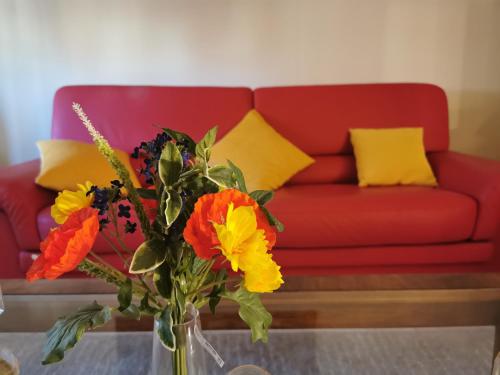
<point x="205" y="287"/>
<point x="115" y="249"/>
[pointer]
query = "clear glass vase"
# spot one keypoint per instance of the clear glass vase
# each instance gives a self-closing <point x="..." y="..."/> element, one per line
<point x="189" y="358"/>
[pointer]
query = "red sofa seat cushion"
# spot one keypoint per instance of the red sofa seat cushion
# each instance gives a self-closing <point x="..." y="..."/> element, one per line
<point x="331" y="215"/>
<point x="320" y="216"/>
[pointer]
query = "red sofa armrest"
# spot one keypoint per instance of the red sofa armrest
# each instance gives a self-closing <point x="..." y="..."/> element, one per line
<point x="21" y="200"/>
<point x="476" y="177"/>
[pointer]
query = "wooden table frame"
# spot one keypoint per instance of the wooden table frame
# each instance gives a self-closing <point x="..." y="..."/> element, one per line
<point x="344" y="301"/>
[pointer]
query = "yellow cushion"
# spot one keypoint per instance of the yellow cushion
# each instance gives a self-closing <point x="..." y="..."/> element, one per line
<point x="391" y="157"/>
<point x="266" y="158"/>
<point x="65" y="163"/>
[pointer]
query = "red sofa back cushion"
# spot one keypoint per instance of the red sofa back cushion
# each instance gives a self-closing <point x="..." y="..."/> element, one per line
<point x="317" y="118"/>
<point x="125" y="114"/>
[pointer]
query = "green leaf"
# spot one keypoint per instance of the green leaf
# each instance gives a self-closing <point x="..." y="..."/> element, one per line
<point x="198" y="263"/>
<point x="125" y="295"/>
<point x="147" y="193"/>
<point x="273" y="220"/>
<point x="221" y="175"/>
<point x="213" y="302"/>
<point x="164" y="329"/>
<point x="173" y="206"/>
<point x="200" y="301"/>
<point x="240" y="179"/>
<point x="132" y="312"/>
<point x="203" y="147"/>
<point x="145" y="306"/>
<point x="170" y="164"/>
<point x="217" y="290"/>
<point x="180" y="137"/>
<point x="68" y="330"/>
<point x="162" y="280"/>
<point x="252" y="312"/>
<point x="262" y="196"/>
<point x="148" y="256"/>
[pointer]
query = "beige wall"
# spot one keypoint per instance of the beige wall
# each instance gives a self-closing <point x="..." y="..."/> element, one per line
<point x="47" y="44"/>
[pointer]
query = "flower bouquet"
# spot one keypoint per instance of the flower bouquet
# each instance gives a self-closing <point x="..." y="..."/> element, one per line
<point x="195" y="219"/>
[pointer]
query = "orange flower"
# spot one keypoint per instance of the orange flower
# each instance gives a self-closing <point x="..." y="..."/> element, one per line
<point x="212" y="209"/>
<point x="66" y="246"/>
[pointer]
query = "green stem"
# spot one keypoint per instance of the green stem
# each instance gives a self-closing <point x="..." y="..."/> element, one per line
<point x="101" y="260"/>
<point x="122" y="172"/>
<point x="117" y="234"/>
<point x="102" y="271"/>
<point x="204" y="272"/>
<point x="205" y="287"/>
<point x="112" y="275"/>
<point x="150" y="292"/>
<point x="179" y="361"/>
<point x="115" y="249"/>
<point x="123" y="244"/>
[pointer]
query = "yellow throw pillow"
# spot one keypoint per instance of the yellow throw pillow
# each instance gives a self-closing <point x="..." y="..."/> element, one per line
<point x="391" y="157"/>
<point x="266" y="158"/>
<point x="65" y="163"/>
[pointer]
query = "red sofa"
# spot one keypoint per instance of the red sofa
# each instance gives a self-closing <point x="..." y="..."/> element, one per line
<point x="332" y="226"/>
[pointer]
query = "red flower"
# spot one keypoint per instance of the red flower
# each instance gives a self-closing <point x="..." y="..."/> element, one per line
<point x="212" y="208"/>
<point x="66" y="246"/>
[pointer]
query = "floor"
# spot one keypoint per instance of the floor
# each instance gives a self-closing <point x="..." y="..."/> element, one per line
<point x="394" y="351"/>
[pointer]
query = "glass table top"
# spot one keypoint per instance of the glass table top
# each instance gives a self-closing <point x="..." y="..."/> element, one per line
<point x="409" y="351"/>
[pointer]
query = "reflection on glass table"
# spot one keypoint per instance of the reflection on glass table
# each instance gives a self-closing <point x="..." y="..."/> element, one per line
<point x="2" y="306"/>
<point x="8" y="362"/>
<point x="409" y="351"/>
<point x="248" y="370"/>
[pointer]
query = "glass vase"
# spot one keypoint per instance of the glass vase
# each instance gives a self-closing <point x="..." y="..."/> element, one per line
<point x="189" y="358"/>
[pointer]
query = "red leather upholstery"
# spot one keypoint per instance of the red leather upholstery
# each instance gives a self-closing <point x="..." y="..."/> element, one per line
<point x="317" y="216"/>
<point x="384" y="255"/>
<point x="332" y="226"/>
<point x="317" y="118"/>
<point x="333" y="216"/>
<point x="362" y="258"/>
<point x="9" y="251"/>
<point x="127" y="115"/>
<point x="21" y="200"/>
<point x="328" y="169"/>
<point x="476" y="177"/>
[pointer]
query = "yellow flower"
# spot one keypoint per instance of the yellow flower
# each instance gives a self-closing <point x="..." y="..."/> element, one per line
<point x="264" y="277"/>
<point x="246" y="247"/>
<point x="68" y="202"/>
<point x="240" y="240"/>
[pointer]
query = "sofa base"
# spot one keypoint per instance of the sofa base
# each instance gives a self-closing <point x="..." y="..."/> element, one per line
<point x="457" y="257"/>
<point x="453" y="253"/>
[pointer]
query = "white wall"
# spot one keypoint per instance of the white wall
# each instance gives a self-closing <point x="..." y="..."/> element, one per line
<point x="47" y="44"/>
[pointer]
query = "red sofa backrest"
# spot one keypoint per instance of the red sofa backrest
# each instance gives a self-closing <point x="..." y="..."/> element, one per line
<point x="125" y="114"/>
<point x="317" y="119"/>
